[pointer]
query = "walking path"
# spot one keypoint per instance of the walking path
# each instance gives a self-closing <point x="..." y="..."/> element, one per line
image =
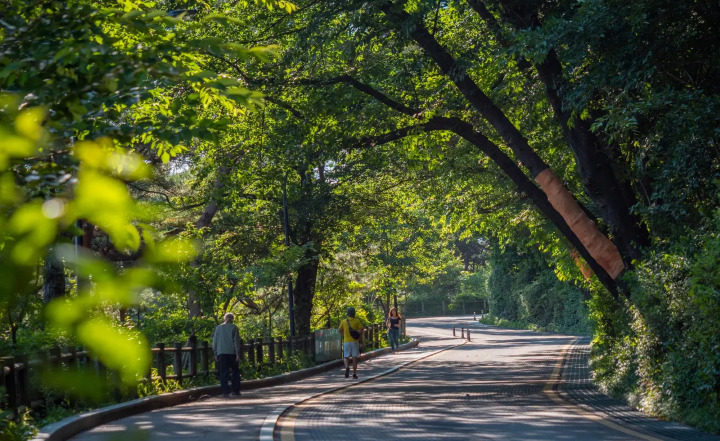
<point x="503" y="385"/>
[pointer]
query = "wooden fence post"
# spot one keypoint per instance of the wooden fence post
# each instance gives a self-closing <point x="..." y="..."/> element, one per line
<point x="161" y="362"/>
<point x="115" y="381"/>
<point x="177" y="362"/>
<point x="2" y="383"/>
<point x="312" y="347"/>
<point x="55" y="356"/>
<point x="371" y="336"/>
<point x="250" y="351"/>
<point x="205" y="358"/>
<point x="73" y="363"/>
<point x="10" y="385"/>
<point x="83" y="359"/>
<point x="279" y="348"/>
<point x="192" y="370"/>
<point x="259" y="345"/>
<point x="148" y="374"/>
<point x="24" y="381"/>
<point x="242" y="350"/>
<point x="42" y="357"/>
<point x="271" y="351"/>
<point x="101" y="371"/>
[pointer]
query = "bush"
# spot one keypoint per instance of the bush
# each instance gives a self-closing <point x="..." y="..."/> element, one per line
<point x="525" y="293"/>
<point x="661" y="349"/>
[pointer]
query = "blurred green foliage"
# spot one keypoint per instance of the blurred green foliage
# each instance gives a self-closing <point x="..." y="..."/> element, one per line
<point x="78" y="83"/>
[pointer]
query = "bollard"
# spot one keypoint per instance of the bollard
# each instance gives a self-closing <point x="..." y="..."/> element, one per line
<point x="468" y="335"/>
<point x="474" y="317"/>
<point x="454" y="332"/>
<point x="462" y="332"/>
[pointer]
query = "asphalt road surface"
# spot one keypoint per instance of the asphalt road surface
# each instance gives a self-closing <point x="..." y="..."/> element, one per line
<point x="502" y="385"/>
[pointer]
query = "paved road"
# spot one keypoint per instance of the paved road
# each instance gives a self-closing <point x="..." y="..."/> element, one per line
<point x="505" y="384"/>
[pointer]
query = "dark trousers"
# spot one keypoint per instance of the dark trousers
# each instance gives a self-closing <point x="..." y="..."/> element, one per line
<point x="394" y="337"/>
<point x="229" y="362"/>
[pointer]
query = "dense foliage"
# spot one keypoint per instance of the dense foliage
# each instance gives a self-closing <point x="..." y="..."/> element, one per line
<point x="213" y="155"/>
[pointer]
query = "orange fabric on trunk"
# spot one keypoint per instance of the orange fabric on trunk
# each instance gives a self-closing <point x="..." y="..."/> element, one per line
<point x="600" y="247"/>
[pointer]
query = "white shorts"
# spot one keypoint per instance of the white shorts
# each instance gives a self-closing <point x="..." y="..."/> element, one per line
<point x="351" y="349"/>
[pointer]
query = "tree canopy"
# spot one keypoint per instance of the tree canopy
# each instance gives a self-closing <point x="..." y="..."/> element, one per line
<point x="162" y="163"/>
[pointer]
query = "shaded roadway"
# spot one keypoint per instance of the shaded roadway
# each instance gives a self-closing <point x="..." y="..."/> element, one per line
<point x="495" y="387"/>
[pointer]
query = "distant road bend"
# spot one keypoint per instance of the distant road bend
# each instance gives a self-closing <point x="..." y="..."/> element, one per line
<point x="503" y="385"/>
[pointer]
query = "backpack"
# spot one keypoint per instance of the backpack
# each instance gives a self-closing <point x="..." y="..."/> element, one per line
<point x="353" y="333"/>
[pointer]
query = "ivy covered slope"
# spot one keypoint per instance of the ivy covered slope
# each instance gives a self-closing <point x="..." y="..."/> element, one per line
<point x="558" y="160"/>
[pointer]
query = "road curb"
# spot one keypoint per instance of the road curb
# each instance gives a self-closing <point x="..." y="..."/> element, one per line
<point x="71" y="426"/>
<point x="551" y="390"/>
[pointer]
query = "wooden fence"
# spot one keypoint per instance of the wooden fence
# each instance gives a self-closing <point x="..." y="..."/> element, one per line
<point x="440" y="308"/>
<point x="187" y="362"/>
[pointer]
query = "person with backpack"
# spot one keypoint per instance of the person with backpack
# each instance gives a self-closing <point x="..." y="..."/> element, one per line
<point x="352" y="332"/>
<point x="226" y="345"/>
<point x="393" y="327"/>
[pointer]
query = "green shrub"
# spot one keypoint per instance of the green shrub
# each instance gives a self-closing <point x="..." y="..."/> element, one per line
<point x="526" y="294"/>
<point x="661" y="349"/>
<point x="21" y="430"/>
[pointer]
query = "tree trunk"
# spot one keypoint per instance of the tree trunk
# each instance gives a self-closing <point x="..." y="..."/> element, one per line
<point x="609" y="258"/>
<point x="304" y="293"/>
<point x="13" y="334"/>
<point x="595" y="168"/>
<point x="612" y="197"/>
<point x="536" y="195"/>
<point x="53" y="278"/>
<point x="204" y="221"/>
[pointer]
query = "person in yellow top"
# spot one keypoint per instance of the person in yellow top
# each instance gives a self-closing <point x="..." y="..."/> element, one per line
<point x="352" y="332"/>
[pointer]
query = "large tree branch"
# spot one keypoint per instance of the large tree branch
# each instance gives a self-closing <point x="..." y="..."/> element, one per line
<point x="250" y="81"/>
<point x="612" y="196"/>
<point x="537" y="195"/>
<point x="479" y="7"/>
<point x="603" y="249"/>
<point x="465" y="84"/>
<point x="296" y="113"/>
<point x="364" y="88"/>
<point x="394" y="135"/>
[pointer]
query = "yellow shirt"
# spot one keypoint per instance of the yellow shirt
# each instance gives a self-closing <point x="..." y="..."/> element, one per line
<point x="354" y="324"/>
